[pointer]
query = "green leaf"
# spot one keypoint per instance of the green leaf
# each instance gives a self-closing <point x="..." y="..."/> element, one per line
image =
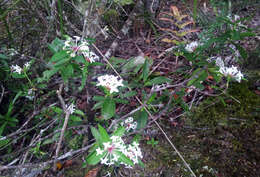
<point x="119" y="132"/>
<point x="129" y="94"/>
<point x="99" y="98"/>
<point x="122" y="101"/>
<point x="48" y="141"/>
<point x="47" y="74"/>
<point x="57" y="109"/>
<point x="75" y="118"/>
<point x="157" y="80"/>
<point x="79" y="59"/>
<point x="103" y="134"/>
<point x="59" y="56"/>
<point x="56" y="45"/>
<point x="61" y="62"/>
<point x="124" y="158"/>
<point x="4" y="142"/>
<point x="135" y="62"/>
<point x="96" y="134"/>
<point x="108" y="108"/>
<point x="84" y="77"/>
<point x="93" y="158"/>
<point x="98" y="105"/>
<point x="3" y="56"/>
<point x="242" y="51"/>
<point x="142" y="118"/>
<point x="79" y="112"/>
<point x="2" y="128"/>
<point x="145" y="70"/>
<point x="67" y="72"/>
<point x="140" y="163"/>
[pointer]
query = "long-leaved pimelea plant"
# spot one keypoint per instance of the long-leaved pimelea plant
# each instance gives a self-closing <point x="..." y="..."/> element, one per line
<point x="71" y="58"/>
<point x="207" y="60"/>
<point x="112" y="150"/>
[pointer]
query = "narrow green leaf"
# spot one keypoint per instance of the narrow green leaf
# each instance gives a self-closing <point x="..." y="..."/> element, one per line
<point x="79" y="59"/>
<point x="59" y="56"/>
<point x="96" y="134"/>
<point x="124" y="158"/>
<point x="79" y="112"/>
<point x="103" y="134"/>
<point x="47" y="74"/>
<point x="242" y="51"/>
<point x="142" y="118"/>
<point x="99" y="98"/>
<point x="145" y="70"/>
<point x="57" y="109"/>
<point x="129" y="94"/>
<point x="84" y="77"/>
<point x="118" y="100"/>
<point x="98" y="105"/>
<point x="119" y="132"/>
<point x="108" y="108"/>
<point x="157" y="80"/>
<point x="93" y="158"/>
<point x="2" y="128"/>
<point x="56" y="45"/>
<point x="75" y="118"/>
<point x="66" y="72"/>
<point x="3" y="56"/>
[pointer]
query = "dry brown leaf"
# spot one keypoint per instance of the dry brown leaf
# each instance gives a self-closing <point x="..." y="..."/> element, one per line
<point x="92" y="173"/>
<point x="59" y="165"/>
<point x="175" y="11"/>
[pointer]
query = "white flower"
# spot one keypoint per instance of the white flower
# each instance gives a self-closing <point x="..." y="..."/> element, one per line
<point x="116" y="145"/>
<point x="104" y="161"/>
<point x="219" y="62"/>
<point x="30" y="94"/>
<point x="16" y="69"/>
<point x="27" y="65"/>
<point x="106" y="145"/>
<point x="78" y="46"/>
<point x="71" y="108"/>
<point x="192" y="46"/>
<point x="232" y="72"/>
<point x="110" y="82"/>
<point x="99" y="151"/>
<point x="129" y="124"/>
<point x="91" y="56"/>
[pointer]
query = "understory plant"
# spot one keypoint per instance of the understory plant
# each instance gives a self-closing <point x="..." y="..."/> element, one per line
<point x="121" y="86"/>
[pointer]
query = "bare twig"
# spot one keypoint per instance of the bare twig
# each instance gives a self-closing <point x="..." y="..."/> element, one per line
<point x="67" y="115"/>
<point x="44" y="164"/>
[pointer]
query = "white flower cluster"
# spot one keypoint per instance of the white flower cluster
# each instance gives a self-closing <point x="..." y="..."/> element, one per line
<point x="110" y="82"/>
<point x="78" y="47"/>
<point x="234" y="19"/>
<point x="18" y="69"/>
<point x="232" y="72"/>
<point x="228" y="71"/>
<point x="30" y="94"/>
<point x="132" y="151"/>
<point x="192" y="46"/>
<point x="129" y="124"/>
<point x="71" y="108"/>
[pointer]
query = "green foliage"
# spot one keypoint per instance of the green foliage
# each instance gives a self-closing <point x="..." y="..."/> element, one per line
<point x="124" y="2"/>
<point x="152" y="142"/>
<point x="8" y="119"/>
